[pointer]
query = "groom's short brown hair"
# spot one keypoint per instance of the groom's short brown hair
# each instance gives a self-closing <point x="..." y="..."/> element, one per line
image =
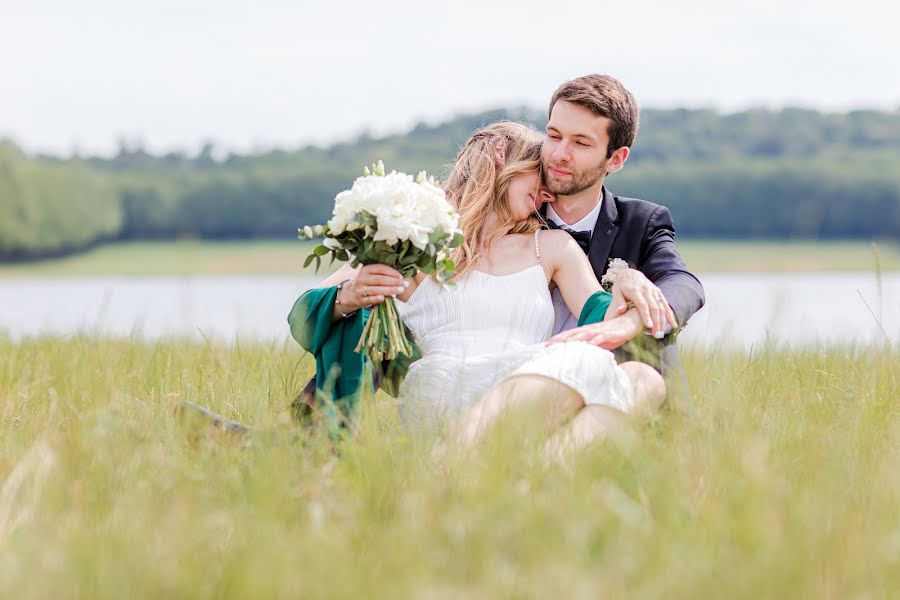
<point x="606" y="97"/>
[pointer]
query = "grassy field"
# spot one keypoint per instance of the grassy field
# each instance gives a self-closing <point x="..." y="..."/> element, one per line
<point x="286" y="257"/>
<point x="779" y="480"/>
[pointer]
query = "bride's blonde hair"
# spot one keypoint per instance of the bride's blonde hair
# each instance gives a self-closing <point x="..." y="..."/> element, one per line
<point x="477" y="185"/>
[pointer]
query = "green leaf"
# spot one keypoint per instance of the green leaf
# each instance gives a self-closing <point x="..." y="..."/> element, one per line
<point x="308" y="260"/>
<point x="424" y="260"/>
<point x="352" y="247"/>
<point x="437" y="235"/>
<point x="320" y="250"/>
<point x="404" y="248"/>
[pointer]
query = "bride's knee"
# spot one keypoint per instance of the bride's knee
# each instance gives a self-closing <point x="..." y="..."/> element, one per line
<point x="529" y="392"/>
<point x="647" y="386"/>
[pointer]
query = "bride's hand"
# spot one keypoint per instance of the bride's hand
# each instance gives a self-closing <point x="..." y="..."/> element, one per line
<point x="609" y="335"/>
<point x="372" y="284"/>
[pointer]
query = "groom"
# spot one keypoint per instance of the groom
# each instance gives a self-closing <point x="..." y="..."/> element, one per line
<point x="592" y="126"/>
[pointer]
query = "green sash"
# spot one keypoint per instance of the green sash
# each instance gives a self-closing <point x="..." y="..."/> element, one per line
<point x="342" y="374"/>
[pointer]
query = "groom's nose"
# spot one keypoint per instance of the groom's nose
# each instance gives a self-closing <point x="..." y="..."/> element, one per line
<point x="561" y="153"/>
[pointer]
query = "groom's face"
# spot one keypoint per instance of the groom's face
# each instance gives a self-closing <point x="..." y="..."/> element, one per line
<point x="574" y="151"/>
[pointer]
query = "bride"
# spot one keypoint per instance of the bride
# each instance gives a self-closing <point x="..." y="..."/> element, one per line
<point x="484" y="342"/>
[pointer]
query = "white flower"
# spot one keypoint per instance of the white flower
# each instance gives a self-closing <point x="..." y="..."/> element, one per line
<point x="403" y="209"/>
<point x="307" y="232"/>
<point x="395" y="224"/>
<point x="318" y="231"/>
<point x="331" y="244"/>
<point x="616" y="265"/>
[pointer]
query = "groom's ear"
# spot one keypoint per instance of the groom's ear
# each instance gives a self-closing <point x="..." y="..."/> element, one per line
<point x="545" y="194"/>
<point x="617" y="160"/>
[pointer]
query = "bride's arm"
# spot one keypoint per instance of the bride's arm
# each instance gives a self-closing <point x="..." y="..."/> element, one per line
<point x="570" y="269"/>
<point x="573" y="274"/>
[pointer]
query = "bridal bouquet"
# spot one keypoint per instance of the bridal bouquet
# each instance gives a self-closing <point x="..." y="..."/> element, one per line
<point x="397" y="221"/>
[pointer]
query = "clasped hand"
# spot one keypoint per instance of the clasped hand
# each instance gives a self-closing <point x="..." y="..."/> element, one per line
<point x="631" y="289"/>
<point x="372" y="284"/>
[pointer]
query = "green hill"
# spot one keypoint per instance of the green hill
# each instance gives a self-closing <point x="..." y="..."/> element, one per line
<point x="789" y="174"/>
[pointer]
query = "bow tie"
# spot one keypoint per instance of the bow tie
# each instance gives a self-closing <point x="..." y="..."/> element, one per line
<point x="582" y="237"/>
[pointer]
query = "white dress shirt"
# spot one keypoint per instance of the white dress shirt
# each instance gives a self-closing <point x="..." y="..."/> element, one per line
<point x="564" y="318"/>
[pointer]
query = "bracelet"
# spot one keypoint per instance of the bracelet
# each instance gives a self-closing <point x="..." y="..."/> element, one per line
<point x="337" y="300"/>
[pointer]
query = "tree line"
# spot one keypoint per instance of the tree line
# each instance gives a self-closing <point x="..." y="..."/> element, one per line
<point x="792" y="173"/>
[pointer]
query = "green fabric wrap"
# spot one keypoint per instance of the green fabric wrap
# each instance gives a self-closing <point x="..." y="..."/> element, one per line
<point x="595" y="308"/>
<point x="342" y="374"/>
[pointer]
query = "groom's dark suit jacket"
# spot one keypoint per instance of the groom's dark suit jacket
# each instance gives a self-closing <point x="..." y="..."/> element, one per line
<point x="642" y="234"/>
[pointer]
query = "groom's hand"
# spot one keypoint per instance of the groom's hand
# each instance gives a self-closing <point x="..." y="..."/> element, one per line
<point x="633" y="287"/>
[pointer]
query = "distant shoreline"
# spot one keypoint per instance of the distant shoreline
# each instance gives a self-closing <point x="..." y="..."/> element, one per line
<point x="286" y="258"/>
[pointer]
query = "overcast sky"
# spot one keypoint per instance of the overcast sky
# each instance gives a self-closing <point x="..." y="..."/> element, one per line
<point x="251" y="75"/>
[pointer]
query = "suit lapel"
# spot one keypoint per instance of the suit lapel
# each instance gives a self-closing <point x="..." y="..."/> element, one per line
<point x="604" y="234"/>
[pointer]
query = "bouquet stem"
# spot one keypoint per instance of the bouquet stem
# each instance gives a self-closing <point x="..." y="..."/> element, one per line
<point x="383" y="337"/>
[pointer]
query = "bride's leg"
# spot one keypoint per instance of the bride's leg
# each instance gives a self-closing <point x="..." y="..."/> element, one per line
<point x="551" y="401"/>
<point x="648" y="389"/>
<point x="596" y="421"/>
<point x="592" y="423"/>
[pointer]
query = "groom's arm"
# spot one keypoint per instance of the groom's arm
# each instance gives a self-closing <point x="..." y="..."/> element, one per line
<point x="662" y="264"/>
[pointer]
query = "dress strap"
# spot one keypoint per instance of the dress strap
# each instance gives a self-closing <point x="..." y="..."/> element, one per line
<point x="537" y="247"/>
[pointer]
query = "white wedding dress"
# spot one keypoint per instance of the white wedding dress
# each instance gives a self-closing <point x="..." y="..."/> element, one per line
<point x="486" y="329"/>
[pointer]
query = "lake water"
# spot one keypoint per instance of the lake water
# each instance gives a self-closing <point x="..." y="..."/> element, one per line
<point x="741" y="309"/>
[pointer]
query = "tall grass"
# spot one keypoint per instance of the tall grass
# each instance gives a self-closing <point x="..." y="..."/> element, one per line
<point x="780" y="479"/>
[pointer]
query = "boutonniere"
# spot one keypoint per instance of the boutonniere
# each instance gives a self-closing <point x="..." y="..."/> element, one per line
<point x="616" y="265"/>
